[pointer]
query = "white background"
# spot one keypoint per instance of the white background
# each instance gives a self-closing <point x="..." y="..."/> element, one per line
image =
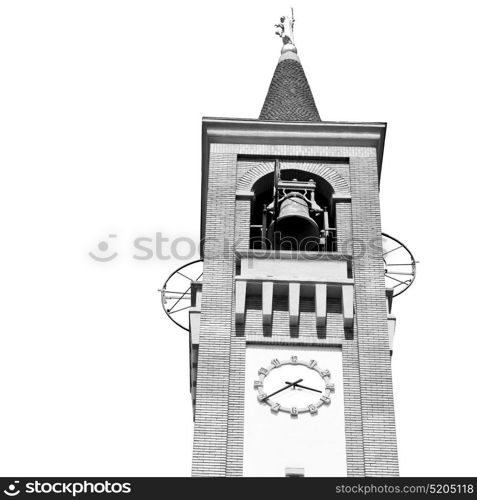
<point x="100" y="108"/>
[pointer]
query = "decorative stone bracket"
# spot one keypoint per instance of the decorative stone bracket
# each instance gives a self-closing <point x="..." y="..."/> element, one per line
<point x="245" y="286"/>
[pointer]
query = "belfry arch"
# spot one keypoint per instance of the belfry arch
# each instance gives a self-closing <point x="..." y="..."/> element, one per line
<point x="337" y="183"/>
<point x="306" y="215"/>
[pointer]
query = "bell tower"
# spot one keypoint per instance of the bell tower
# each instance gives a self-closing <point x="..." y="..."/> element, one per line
<point x="290" y="324"/>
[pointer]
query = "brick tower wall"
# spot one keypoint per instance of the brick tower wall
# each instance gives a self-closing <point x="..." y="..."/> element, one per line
<point x="369" y="412"/>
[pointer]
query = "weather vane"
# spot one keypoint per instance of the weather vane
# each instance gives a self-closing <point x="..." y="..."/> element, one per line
<point x="285" y="29"/>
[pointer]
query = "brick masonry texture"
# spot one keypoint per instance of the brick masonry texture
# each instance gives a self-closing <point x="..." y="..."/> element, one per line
<point x="214" y="364"/>
<point x="374" y="361"/>
<point x="344" y="232"/>
<point x="369" y="412"/>
<point x="289" y="97"/>
<point x="234" y="465"/>
<point x="252" y="171"/>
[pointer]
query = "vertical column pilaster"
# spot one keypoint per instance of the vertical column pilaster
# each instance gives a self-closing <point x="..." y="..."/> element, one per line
<point x="377" y="406"/>
<point x="343" y="225"/>
<point x="214" y="361"/>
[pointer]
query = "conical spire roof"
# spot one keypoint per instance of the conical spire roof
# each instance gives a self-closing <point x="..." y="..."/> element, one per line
<point x="289" y="96"/>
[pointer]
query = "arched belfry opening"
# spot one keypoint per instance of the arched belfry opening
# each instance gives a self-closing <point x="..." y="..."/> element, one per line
<point x="292" y="210"/>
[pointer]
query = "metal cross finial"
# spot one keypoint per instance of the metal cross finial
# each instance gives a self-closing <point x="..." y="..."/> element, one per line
<point x="285" y="29"/>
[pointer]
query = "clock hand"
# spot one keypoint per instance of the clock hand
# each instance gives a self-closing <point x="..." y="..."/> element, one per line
<point x="289" y="384"/>
<point x="303" y="386"/>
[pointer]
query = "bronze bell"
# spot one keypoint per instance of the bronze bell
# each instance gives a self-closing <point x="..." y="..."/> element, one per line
<point x="294" y="224"/>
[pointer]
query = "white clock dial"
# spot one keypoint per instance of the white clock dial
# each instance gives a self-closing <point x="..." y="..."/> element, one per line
<point x="294" y="386"/>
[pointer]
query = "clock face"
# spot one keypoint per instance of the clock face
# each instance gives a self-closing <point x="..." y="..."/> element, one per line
<point x="294" y="386"/>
